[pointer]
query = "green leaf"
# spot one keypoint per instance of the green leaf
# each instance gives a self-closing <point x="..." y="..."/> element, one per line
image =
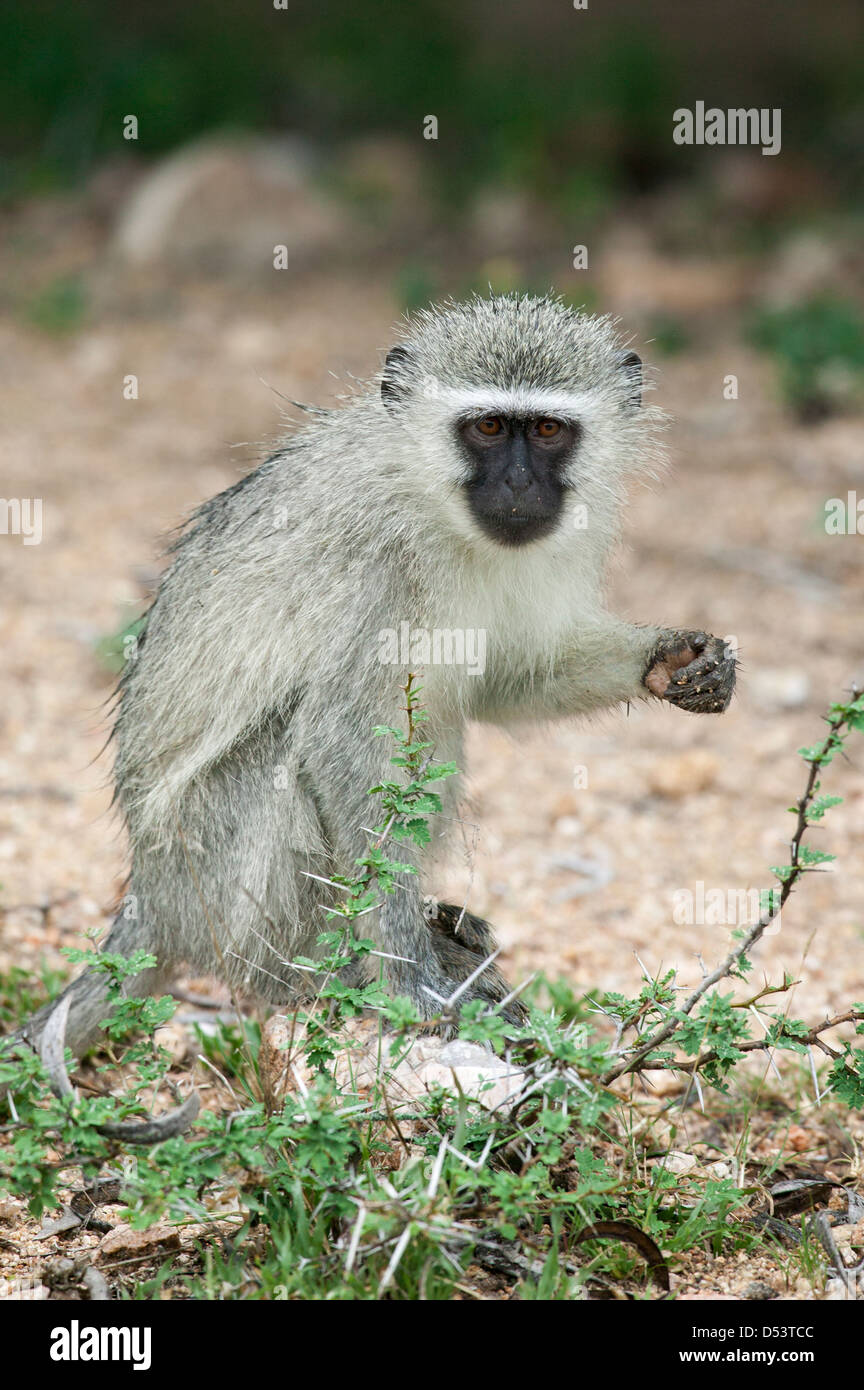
<point x="846" y="1078"/>
<point x="439" y="770"/>
<point x="806" y="855"/>
<point x="427" y="804"/>
<point x="819" y="753"/>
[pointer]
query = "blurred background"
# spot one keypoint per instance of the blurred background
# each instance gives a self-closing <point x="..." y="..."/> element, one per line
<point x="149" y="349"/>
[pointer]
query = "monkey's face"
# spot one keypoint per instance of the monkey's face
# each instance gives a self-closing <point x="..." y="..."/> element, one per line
<point x="515" y="484"/>
<point x="515" y="421"/>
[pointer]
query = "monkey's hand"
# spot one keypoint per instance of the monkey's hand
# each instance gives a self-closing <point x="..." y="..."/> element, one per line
<point x="692" y="670"/>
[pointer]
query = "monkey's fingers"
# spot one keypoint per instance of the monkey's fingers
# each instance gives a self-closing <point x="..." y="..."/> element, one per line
<point x="692" y="670"/>
<point x="704" y="686"/>
<point x="674" y="651"/>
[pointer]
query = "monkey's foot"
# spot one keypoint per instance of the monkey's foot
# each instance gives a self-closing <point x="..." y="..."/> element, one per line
<point x="461" y="943"/>
<point x="692" y="670"/>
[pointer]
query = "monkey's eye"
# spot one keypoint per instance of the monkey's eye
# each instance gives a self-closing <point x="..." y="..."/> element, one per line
<point x="547" y="429"/>
<point x="489" y="425"/>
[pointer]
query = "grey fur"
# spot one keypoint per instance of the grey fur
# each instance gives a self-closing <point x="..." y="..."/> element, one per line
<point x="244" y="735"/>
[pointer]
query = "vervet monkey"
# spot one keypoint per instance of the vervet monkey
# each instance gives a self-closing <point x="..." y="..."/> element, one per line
<point x="478" y="489"/>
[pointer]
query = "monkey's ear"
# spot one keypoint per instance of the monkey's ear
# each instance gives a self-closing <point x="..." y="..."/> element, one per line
<point x="393" y="382"/>
<point x="630" y="363"/>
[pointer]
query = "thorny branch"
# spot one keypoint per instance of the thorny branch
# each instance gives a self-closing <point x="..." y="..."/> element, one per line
<point x="839" y="724"/>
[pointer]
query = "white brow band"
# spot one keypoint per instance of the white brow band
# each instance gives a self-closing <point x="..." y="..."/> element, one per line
<point x="522" y="400"/>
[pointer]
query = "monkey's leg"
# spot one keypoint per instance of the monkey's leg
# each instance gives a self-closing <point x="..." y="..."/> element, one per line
<point x="89" y="993"/>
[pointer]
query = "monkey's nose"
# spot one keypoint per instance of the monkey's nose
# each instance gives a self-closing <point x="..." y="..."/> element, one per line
<point x="518" y="480"/>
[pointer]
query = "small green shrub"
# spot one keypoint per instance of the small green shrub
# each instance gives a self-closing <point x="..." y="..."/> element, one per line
<point x="60" y="306"/>
<point x="819" y="349"/>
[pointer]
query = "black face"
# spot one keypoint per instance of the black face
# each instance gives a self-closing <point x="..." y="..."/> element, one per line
<point x="516" y="489"/>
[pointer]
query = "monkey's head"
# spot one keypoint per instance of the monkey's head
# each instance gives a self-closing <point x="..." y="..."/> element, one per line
<point x="534" y="407"/>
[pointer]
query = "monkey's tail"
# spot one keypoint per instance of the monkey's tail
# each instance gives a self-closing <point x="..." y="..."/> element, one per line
<point x="88" y="995"/>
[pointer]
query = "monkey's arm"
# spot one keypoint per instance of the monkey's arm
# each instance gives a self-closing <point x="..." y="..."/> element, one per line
<point x="613" y="662"/>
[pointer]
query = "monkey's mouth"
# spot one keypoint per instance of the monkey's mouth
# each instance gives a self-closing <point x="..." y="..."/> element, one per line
<point x="512" y="528"/>
<point x="516" y="516"/>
